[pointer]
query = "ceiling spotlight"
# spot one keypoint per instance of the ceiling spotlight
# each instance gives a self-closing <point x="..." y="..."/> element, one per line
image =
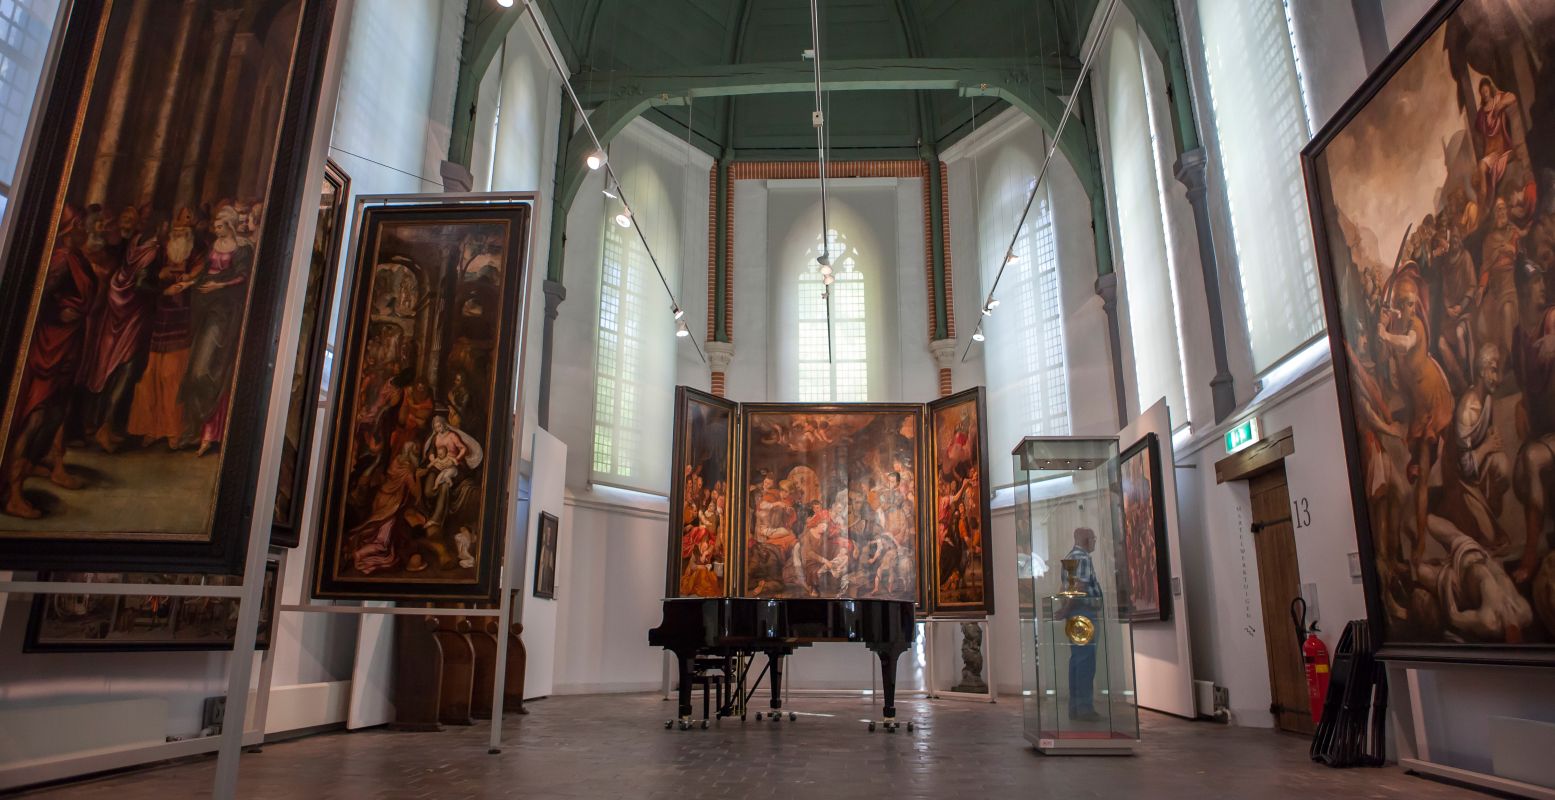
<point x="610" y="194"/>
<point x="828" y="280"/>
<point x="679" y="313"/>
<point x="1011" y="258"/>
<point x="681" y="331"/>
<point x="624" y="219"/>
<point x="505" y="3"/>
<point x="825" y="269"/>
<point x="823" y="259"/>
<point x="595" y="160"/>
<point x="988" y="310"/>
<point x="977" y="335"/>
<point x="993" y="303"/>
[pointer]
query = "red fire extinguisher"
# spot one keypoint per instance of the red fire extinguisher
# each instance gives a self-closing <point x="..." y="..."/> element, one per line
<point x="1315" y="655"/>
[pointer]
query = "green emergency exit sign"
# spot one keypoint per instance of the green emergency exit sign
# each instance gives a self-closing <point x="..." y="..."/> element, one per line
<point x="1243" y="435"/>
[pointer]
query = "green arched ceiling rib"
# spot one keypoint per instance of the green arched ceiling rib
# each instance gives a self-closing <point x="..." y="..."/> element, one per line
<point x="1159" y="22"/>
<point x="485" y="28"/>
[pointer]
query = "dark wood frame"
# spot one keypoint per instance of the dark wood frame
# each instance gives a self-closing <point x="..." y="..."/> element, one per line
<point x="224" y="546"/>
<point x="1536" y="654"/>
<point x="938" y="608"/>
<point x="518" y="214"/>
<point x="1150" y="445"/>
<point x="262" y="639"/>
<point x="547" y="526"/>
<point x="684" y="397"/>
<point x="287" y="531"/>
<point x="916" y="410"/>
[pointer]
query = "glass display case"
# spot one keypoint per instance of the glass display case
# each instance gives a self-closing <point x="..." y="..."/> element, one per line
<point x="1077" y="652"/>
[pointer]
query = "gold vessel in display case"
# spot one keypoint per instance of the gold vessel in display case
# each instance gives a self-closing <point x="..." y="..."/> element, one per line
<point x="1077" y="654"/>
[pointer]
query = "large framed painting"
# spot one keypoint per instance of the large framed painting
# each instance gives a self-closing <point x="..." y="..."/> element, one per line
<point x="1143" y="567"/>
<point x="308" y="375"/>
<point x="702" y="496"/>
<point x="105" y="623"/>
<point x="413" y="507"/>
<point x="962" y="557"/>
<point x="545" y="556"/>
<point x="832" y="506"/>
<point x="144" y="281"/>
<point x="1433" y="207"/>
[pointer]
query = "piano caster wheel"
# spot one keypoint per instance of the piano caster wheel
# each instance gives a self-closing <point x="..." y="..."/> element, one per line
<point x="704" y="724"/>
<point x="909" y="727"/>
<point x="871" y="727"/>
<point x="792" y="717"/>
<point x="684" y="725"/>
<point x="742" y="717"/>
<point x="668" y="724"/>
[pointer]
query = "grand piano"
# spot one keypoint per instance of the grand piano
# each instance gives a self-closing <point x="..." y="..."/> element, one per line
<point x="735" y="628"/>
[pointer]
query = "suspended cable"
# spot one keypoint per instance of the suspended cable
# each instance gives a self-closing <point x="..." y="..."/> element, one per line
<point x="604" y="162"/>
<point x="818" y="120"/>
<point x="1047" y="160"/>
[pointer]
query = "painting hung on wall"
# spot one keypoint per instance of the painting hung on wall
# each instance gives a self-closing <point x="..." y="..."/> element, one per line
<point x="1433" y="201"/>
<point x="145" y="278"/>
<point x="701" y="494"/>
<point x="308" y="374"/>
<point x="832" y="506"/>
<point x="959" y="504"/>
<point x="413" y="504"/>
<point x="545" y="556"/>
<point x="63" y="623"/>
<point x="1143" y="562"/>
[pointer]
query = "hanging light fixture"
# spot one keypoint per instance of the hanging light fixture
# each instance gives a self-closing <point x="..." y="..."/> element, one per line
<point x="679" y="313"/>
<point x="624" y="219"/>
<point x="505" y="3"/>
<point x="977" y="335"/>
<point x="828" y="279"/>
<point x="1011" y="258"/>
<point x="595" y="160"/>
<point x="993" y="303"/>
<point x="610" y="194"/>
<point x="681" y="331"/>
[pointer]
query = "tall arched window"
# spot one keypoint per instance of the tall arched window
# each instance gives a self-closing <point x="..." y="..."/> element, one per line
<point x="824" y="375"/>
<point x="24" y="41"/>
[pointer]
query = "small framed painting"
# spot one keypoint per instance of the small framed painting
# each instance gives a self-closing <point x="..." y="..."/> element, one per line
<point x="545" y="556"/>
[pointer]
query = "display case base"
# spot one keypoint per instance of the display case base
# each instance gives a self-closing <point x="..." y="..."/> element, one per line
<point x="1099" y="744"/>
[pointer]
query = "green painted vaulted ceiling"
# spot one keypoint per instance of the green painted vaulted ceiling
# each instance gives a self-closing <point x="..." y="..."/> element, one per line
<point x="619" y="47"/>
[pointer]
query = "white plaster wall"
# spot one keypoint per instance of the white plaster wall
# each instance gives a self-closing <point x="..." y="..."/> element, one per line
<point x="546" y="492"/>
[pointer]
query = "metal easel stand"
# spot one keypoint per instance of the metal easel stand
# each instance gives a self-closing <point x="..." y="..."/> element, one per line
<point x="512" y="554"/>
<point x="66" y="768"/>
<point x="1407" y="719"/>
<point x="992" y="696"/>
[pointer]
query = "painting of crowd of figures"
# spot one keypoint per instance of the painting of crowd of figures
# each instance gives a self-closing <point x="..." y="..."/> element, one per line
<point x="145" y="278"/>
<point x="423" y="419"/>
<point x="860" y="500"/>
<point x="1433" y="200"/>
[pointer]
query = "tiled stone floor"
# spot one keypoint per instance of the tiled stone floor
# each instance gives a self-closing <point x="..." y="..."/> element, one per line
<point x="615" y="746"/>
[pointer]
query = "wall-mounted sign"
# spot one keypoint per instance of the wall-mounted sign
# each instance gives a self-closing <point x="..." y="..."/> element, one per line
<point x="1244" y="434"/>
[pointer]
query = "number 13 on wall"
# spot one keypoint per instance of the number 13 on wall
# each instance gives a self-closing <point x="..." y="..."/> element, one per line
<point x="1300" y="513"/>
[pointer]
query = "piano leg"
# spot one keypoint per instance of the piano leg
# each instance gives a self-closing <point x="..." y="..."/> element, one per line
<point x="888" y="657"/>
<point x="683" y="691"/>
<point x="775" y="660"/>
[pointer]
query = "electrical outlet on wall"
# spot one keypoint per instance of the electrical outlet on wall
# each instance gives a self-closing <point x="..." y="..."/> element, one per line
<point x="1355" y="567"/>
<point x="213" y="713"/>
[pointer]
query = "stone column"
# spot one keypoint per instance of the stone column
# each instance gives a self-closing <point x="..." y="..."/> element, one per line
<point x="1190" y="170"/>
<point x="118" y="103"/>
<point x="222" y="26"/>
<point x="155" y="148"/>
<point x="555" y="293"/>
<point x="719" y="354"/>
<point x="1107" y="288"/>
<point x="220" y="175"/>
<point x="944" y="352"/>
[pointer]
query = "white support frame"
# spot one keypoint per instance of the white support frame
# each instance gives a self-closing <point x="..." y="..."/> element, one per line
<point x="992" y="696"/>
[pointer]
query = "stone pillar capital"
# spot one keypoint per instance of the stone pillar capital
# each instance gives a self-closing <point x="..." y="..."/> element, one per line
<point x="944" y="352"/>
<point x="719" y="354"/>
<point x="1192" y="169"/>
<point x="1107" y="288"/>
<point x="555" y="293"/>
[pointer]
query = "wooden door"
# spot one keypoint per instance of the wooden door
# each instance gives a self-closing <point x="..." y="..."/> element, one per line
<point x="1279" y="581"/>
